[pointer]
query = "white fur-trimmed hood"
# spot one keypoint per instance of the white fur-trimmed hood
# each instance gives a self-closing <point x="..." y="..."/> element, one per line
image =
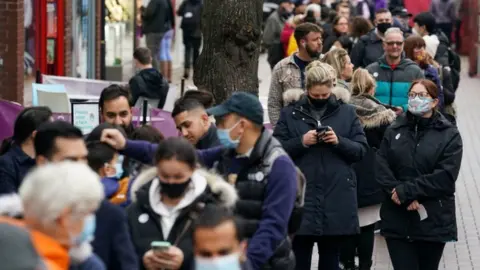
<point x="293" y="95"/>
<point x="225" y="192"/>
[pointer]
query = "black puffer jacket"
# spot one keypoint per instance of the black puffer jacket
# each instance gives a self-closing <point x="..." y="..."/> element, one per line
<point x="146" y="224"/>
<point x="375" y="119"/>
<point x="420" y="158"/>
<point x="149" y="83"/>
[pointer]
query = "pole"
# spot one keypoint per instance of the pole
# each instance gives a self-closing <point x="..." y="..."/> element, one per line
<point x="144" y="112"/>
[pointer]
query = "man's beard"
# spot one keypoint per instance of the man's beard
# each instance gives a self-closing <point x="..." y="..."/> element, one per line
<point x="128" y="129"/>
<point x="312" y="53"/>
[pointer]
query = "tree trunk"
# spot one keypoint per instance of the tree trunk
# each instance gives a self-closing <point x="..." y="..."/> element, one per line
<point x="231" y="47"/>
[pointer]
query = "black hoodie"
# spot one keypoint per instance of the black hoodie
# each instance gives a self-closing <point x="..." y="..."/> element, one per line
<point x="149" y="83"/>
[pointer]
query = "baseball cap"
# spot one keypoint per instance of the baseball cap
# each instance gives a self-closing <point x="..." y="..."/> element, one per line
<point x="402" y="12"/>
<point x="243" y="104"/>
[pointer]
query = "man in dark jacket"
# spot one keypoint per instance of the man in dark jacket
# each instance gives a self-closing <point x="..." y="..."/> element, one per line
<point x="194" y="124"/>
<point x="252" y="160"/>
<point x="273" y="30"/>
<point x="157" y="19"/>
<point x="59" y="141"/>
<point x="369" y="47"/>
<point x="191" y="13"/>
<point x="148" y="82"/>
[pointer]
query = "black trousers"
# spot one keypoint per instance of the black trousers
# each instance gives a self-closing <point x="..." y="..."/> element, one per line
<point x="363" y="244"/>
<point x="414" y="255"/>
<point x="192" y="46"/>
<point x="328" y="251"/>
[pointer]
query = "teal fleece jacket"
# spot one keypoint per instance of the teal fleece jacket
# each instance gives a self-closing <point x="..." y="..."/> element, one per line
<point x="393" y="84"/>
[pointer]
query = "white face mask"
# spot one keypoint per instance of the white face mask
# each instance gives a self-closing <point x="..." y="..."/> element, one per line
<point x="228" y="262"/>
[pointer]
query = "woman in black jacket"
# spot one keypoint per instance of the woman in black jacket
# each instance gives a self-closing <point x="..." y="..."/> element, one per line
<point x="417" y="166"/>
<point x="375" y="119"/>
<point x="323" y="136"/>
<point x="340" y="28"/>
<point x="167" y="199"/>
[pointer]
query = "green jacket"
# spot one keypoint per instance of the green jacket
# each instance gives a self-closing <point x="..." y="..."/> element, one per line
<point x="393" y="84"/>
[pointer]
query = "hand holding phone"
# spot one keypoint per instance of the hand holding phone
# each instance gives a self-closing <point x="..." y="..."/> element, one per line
<point x="321" y="132"/>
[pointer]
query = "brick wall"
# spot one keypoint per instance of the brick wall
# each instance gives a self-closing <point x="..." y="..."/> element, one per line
<point x="68" y="49"/>
<point x="12" y="46"/>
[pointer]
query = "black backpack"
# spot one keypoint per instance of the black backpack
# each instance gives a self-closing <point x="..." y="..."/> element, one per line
<point x="191" y="16"/>
<point x="455" y="67"/>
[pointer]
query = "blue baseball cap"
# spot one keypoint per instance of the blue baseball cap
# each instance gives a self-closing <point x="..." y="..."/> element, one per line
<point x="241" y="103"/>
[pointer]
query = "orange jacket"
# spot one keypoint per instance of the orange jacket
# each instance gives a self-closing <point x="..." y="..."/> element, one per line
<point x="54" y="255"/>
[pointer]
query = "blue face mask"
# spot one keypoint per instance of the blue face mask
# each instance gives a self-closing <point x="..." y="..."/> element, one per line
<point x="228" y="262"/>
<point x="88" y="231"/>
<point x="226" y="140"/>
<point x="119" y="167"/>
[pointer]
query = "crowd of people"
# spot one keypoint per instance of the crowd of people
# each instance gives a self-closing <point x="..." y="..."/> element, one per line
<point x="364" y="136"/>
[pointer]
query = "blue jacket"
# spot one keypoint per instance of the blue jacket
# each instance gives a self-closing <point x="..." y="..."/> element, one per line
<point x="112" y="241"/>
<point x="331" y="194"/>
<point x="277" y="206"/>
<point x="14" y="165"/>
<point x="393" y="84"/>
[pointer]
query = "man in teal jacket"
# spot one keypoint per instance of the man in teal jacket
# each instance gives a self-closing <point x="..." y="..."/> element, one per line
<point x="393" y="72"/>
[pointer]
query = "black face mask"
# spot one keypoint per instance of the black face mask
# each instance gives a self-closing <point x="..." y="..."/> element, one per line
<point x="383" y="27"/>
<point x="318" y="103"/>
<point x="174" y="191"/>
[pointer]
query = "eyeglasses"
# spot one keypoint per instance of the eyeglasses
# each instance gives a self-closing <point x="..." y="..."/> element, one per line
<point x="414" y="95"/>
<point x="391" y="43"/>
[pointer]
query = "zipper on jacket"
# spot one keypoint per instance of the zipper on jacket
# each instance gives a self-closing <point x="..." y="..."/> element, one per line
<point x="391" y="87"/>
<point x="441" y="204"/>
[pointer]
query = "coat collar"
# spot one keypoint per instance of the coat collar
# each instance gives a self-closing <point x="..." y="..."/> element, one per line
<point x="437" y="121"/>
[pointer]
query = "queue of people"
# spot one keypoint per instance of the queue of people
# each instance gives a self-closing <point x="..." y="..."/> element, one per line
<point x="360" y="135"/>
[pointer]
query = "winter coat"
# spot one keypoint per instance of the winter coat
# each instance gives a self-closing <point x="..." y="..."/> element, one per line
<point x="420" y="158"/>
<point x="375" y="119"/>
<point x="271" y="38"/>
<point x="330" y="200"/>
<point x="157" y="17"/>
<point x="14" y="165"/>
<point x="431" y="73"/>
<point x="367" y="50"/>
<point x="146" y="222"/>
<point x="441" y="55"/>
<point x="393" y="84"/>
<point x="149" y="83"/>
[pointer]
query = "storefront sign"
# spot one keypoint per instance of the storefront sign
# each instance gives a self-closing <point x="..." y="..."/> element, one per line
<point x="85" y="116"/>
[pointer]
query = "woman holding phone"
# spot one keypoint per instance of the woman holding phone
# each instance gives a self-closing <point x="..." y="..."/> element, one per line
<point x="166" y="200"/>
<point x="323" y="136"/>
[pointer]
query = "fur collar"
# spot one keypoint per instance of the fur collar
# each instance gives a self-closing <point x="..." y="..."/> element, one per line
<point x="11" y="205"/>
<point x="293" y="95"/>
<point x="371" y="112"/>
<point x="225" y="192"/>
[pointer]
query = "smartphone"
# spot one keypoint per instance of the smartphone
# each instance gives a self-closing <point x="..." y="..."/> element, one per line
<point x="160" y="245"/>
<point x="321" y="131"/>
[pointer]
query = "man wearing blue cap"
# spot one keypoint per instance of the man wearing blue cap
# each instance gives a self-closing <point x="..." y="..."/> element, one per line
<point x="251" y="159"/>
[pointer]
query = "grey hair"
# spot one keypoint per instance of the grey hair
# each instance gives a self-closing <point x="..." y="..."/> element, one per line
<point x="392" y="30"/>
<point x="313" y="7"/>
<point x="49" y="190"/>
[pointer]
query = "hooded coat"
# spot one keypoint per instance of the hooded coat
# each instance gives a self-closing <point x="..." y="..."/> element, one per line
<point x="331" y="193"/>
<point x="149" y="83"/>
<point x="393" y="84"/>
<point x="150" y="220"/>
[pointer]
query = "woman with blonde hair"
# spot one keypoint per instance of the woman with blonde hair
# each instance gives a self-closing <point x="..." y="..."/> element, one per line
<point x="340" y="61"/>
<point x="375" y="118"/>
<point x="323" y="136"/>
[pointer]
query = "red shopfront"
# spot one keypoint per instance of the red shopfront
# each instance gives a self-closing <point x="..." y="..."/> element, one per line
<point x="50" y="36"/>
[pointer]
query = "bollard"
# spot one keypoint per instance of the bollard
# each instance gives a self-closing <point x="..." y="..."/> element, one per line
<point x="144" y="112"/>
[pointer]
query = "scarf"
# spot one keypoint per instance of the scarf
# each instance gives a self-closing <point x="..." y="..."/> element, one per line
<point x="371" y="112"/>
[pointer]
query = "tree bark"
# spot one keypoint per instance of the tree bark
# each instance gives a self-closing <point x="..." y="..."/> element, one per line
<point x="231" y="47"/>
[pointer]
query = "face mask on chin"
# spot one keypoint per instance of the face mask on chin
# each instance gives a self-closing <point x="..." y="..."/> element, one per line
<point x="228" y="262"/>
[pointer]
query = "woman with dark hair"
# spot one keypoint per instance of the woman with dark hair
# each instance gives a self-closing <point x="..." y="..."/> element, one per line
<point x="204" y="97"/>
<point x="417" y="166"/>
<point x="359" y="27"/>
<point x="415" y="50"/>
<point x="18" y="152"/>
<point x="339" y="29"/>
<point x="165" y="201"/>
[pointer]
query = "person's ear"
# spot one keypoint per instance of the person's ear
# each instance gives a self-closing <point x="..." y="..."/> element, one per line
<point x="435" y="103"/>
<point x="205" y="119"/>
<point x="34" y="133"/>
